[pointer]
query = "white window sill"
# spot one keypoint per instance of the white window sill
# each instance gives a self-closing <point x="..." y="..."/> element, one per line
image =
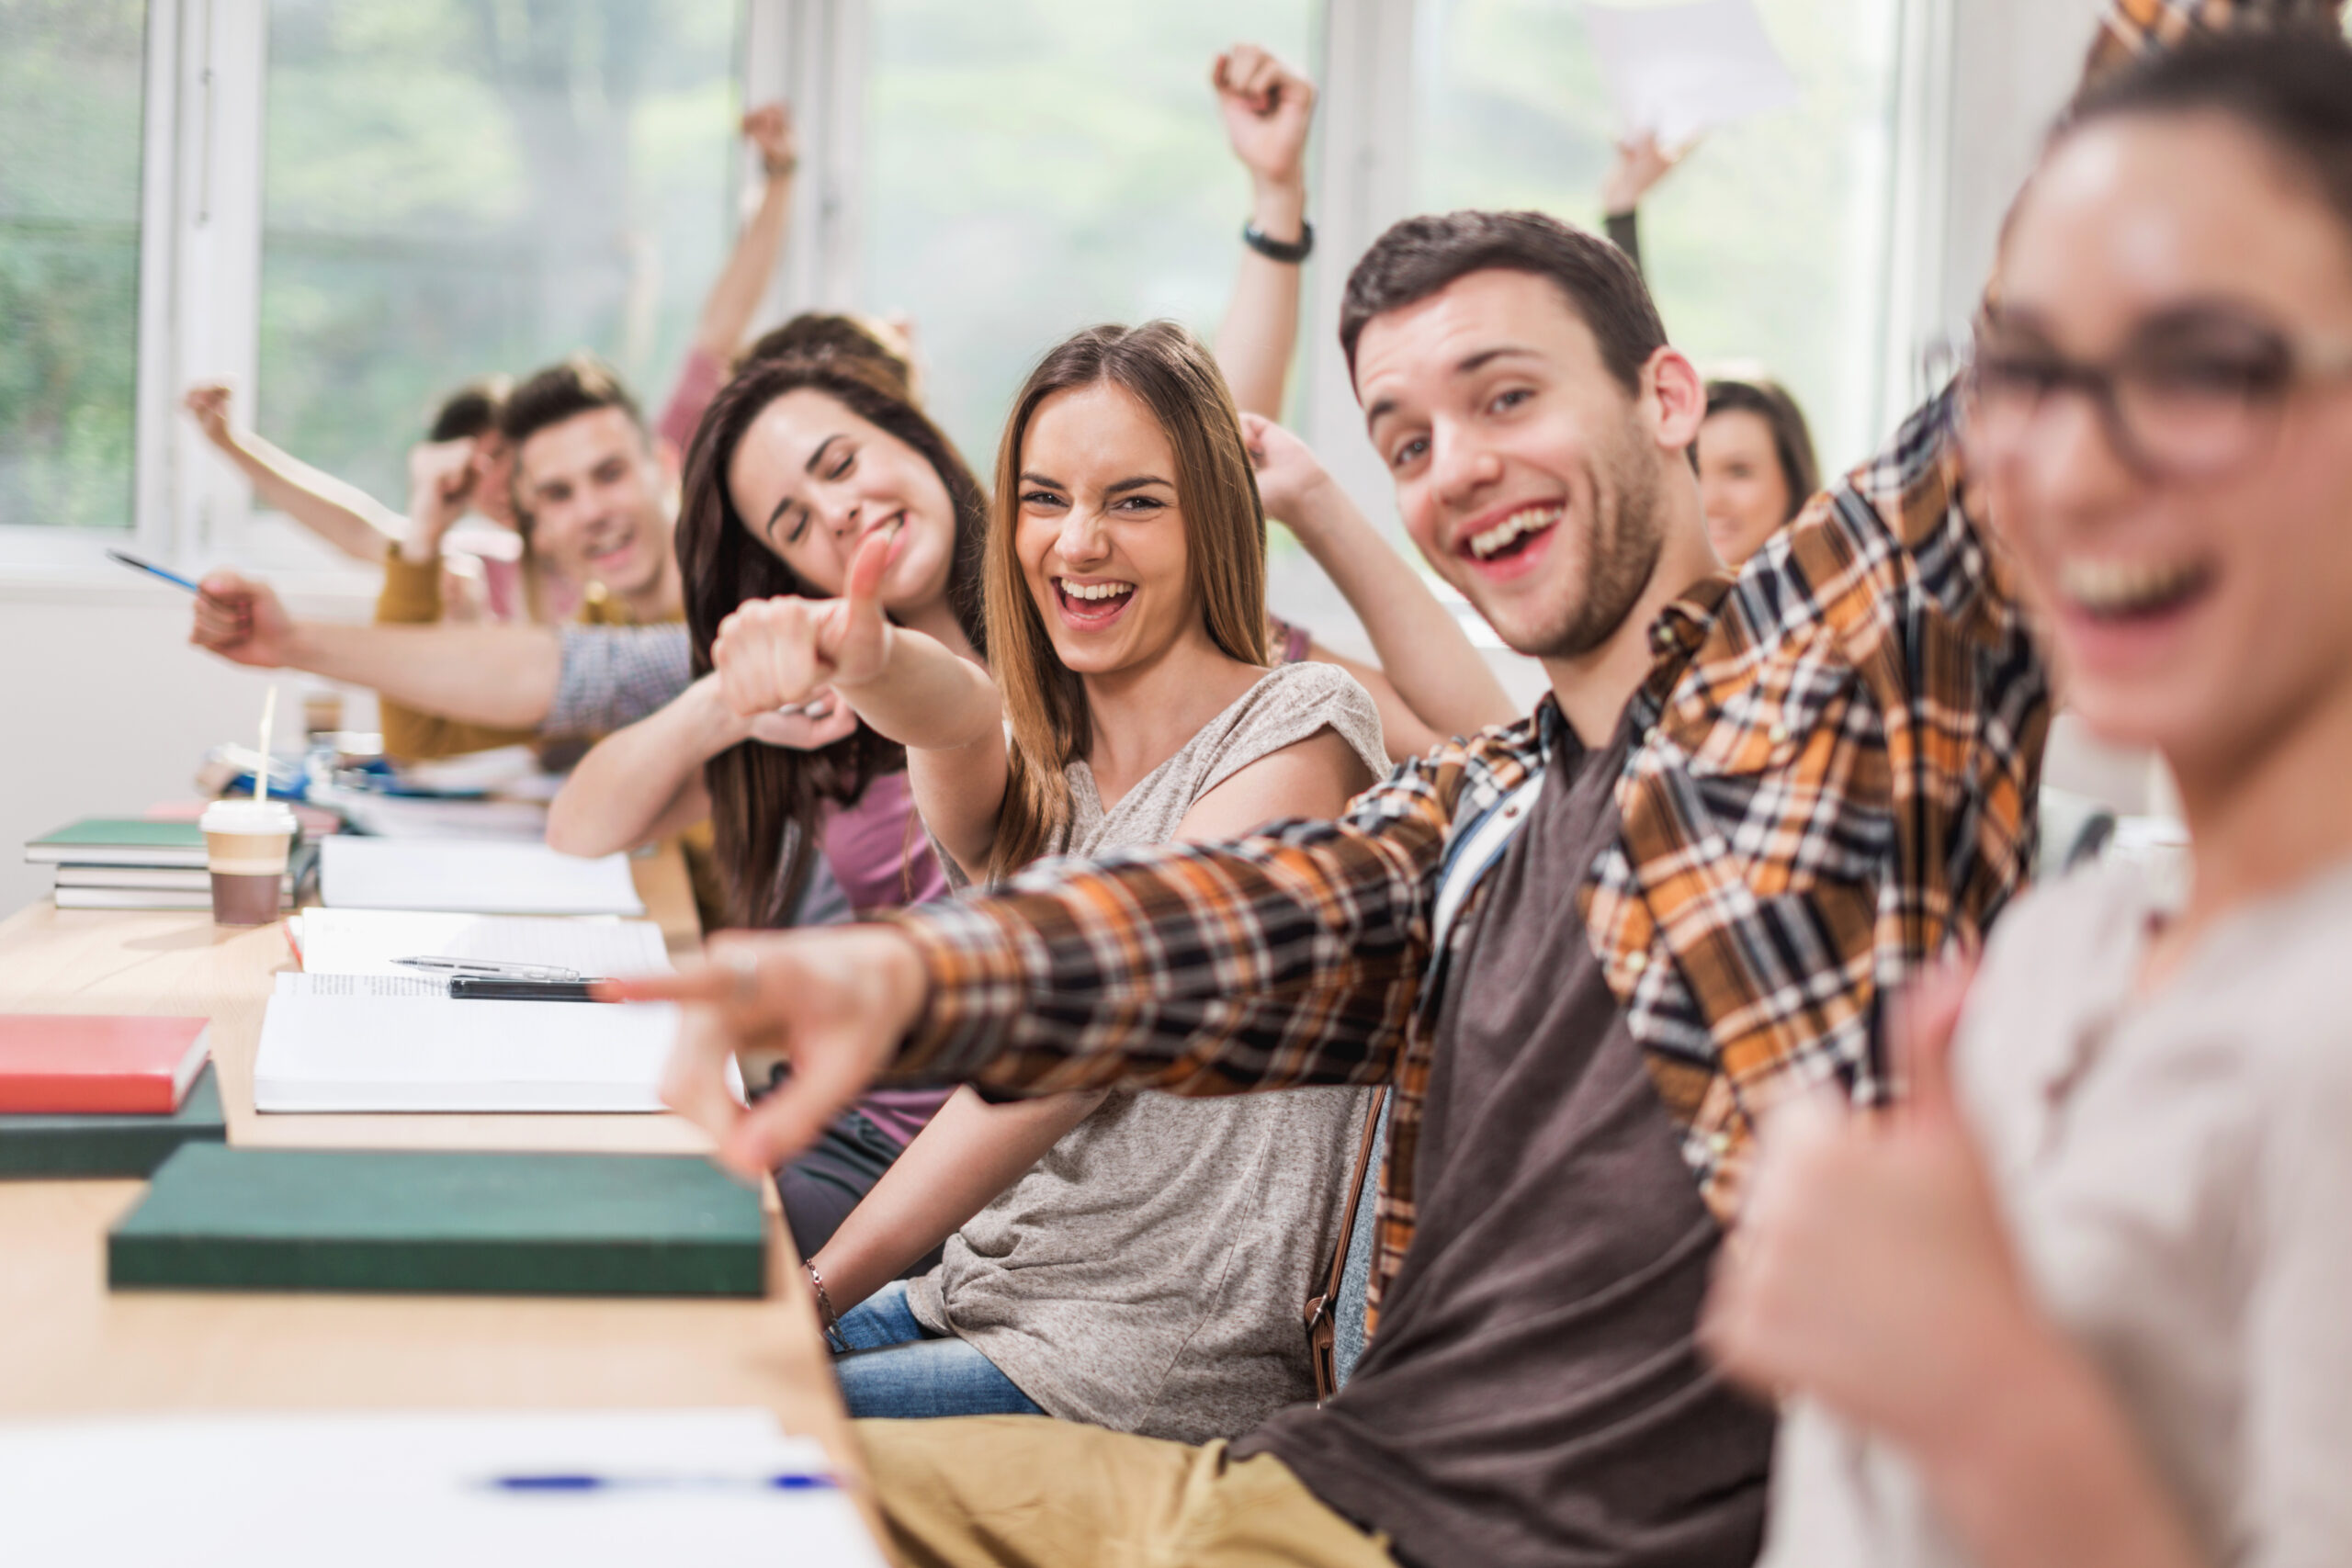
<point x="69" y="566"/>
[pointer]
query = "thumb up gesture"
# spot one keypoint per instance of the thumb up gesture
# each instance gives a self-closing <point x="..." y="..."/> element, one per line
<point x="1872" y="1270"/>
<point x="775" y="652"/>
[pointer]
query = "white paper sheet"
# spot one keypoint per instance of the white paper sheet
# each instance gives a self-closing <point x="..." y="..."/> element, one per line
<point x="1679" y="70"/>
<point x="476" y="877"/>
<point x="365" y="942"/>
<point x="405" y="816"/>
<point x="396" y="1490"/>
<point x="361" y="1053"/>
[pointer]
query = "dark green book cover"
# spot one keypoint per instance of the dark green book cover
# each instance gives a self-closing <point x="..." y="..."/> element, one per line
<point x="112" y="1144"/>
<point x="456" y="1223"/>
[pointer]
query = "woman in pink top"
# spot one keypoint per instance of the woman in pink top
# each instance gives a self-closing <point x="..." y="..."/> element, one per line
<point x="812" y="815"/>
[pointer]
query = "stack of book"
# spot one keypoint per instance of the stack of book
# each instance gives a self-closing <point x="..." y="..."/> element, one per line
<point x="86" y="1094"/>
<point x="109" y="863"/>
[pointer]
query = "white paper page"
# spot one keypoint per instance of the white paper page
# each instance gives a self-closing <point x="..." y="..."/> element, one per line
<point x="328" y="1054"/>
<point x="365" y="942"/>
<point x="399" y="817"/>
<point x="480" y="878"/>
<point x="491" y="770"/>
<point x="1679" y="70"/>
<point x="396" y="1490"/>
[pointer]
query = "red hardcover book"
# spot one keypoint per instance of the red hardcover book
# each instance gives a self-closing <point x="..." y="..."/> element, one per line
<point x="76" y="1064"/>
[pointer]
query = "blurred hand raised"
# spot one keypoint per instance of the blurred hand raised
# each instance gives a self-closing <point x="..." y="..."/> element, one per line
<point x="1291" y="478"/>
<point x="769" y="129"/>
<point x="207" y="401"/>
<point x="1871" y="1269"/>
<point x="241" y="619"/>
<point x="1640" y="163"/>
<point x="1268" y="108"/>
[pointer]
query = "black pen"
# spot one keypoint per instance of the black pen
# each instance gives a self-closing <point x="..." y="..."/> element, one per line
<point x="468" y="987"/>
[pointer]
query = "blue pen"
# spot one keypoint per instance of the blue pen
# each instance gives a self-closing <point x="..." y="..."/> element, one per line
<point x="174" y="578"/>
<point x="791" y="1481"/>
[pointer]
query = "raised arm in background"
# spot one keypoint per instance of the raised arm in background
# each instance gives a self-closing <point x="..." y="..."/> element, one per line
<point x="1432" y="683"/>
<point x="726" y="310"/>
<point x="1268" y="108"/>
<point x="341" y="513"/>
<point x="483" y="674"/>
<point x="444" y="477"/>
<point x="907" y="687"/>
<point x="734" y="297"/>
<point x="1640" y="163"/>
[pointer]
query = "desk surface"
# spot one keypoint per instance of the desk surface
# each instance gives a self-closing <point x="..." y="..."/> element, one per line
<point x="69" y="1345"/>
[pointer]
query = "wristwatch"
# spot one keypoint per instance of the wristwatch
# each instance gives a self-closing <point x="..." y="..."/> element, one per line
<point x="1288" y="252"/>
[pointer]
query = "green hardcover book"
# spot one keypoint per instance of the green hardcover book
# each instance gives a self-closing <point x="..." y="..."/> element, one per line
<point x="119" y="840"/>
<point x="112" y="1144"/>
<point x="219" y="1218"/>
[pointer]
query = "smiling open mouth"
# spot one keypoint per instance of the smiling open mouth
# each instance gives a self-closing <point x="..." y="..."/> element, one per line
<point x="1512" y="535"/>
<point x="2131" y="591"/>
<point x="1091" y="606"/>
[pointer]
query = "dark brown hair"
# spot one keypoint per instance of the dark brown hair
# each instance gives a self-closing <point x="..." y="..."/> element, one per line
<point x="813" y="332"/>
<point x="1791" y="441"/>
<point x="580" y="384"/>
<point x="766" y="802"/>
<point x="2291" y="86"/>
<point x="1168" y="372"/>
<point x="1418" y="256"/>
<point x="473" y="410"/>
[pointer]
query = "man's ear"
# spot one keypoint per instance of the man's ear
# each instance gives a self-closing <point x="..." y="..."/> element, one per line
<point x="1672" y="389"/>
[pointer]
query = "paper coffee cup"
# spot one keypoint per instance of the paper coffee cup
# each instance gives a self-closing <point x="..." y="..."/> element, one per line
<point x="245" y="848"/>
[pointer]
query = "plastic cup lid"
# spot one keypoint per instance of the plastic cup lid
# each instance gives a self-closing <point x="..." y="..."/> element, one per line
<point x="248" y="816"/>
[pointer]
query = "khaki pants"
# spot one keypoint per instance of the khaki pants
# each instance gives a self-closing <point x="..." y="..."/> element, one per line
<point x="1027" y="1492"/>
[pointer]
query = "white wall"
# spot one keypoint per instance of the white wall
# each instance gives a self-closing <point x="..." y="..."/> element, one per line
<point x="106" y="710"/>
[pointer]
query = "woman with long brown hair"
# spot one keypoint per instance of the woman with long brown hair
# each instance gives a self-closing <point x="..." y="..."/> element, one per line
<point x="1137" y="1260"/>
<point x="812" y="819"/>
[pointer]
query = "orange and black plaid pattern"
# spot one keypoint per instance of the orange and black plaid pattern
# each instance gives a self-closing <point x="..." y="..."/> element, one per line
<point x="1835" y="783"/>
<point x="2135" y="28"/>
<point x="1834" y="780"/>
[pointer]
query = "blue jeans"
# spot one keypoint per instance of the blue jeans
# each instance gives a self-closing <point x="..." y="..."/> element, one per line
<point x="894" y="1368"/>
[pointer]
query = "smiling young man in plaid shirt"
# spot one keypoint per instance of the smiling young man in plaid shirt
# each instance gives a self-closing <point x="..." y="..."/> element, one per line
<point x="1589" y="950"/>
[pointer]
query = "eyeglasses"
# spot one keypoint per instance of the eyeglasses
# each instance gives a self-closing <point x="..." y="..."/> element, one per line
<point x="2194" y="395"/>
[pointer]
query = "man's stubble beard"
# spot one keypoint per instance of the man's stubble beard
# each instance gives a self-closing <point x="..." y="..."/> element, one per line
<point x="1622" y="549"/>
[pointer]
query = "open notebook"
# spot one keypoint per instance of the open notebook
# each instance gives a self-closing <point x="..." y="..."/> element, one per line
<point x="357" y="1032"/>
<point x="392" y="1490"/>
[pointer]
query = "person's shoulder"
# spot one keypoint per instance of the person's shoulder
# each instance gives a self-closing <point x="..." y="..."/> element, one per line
<point x="2282" y="964"/>
<point x="1309" y="683"/>
<point x="2059" y="926"/>
<point x="1310" y="694"/>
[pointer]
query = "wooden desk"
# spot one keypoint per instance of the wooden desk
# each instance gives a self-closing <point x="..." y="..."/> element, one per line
<point x="68" y="1345"/>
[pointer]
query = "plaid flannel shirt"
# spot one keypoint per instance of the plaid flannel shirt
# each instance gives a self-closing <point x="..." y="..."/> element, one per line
<point x="1834" y="779"/>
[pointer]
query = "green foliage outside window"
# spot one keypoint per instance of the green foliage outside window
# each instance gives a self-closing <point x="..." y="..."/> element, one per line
<point x="70" y="82"/>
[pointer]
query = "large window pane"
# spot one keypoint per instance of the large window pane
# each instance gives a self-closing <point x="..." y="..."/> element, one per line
<point x="1035" y="166"/>
<point x="70" y="80"/>
<point x="1765" y="246"/>
<point x="454" y="187"/>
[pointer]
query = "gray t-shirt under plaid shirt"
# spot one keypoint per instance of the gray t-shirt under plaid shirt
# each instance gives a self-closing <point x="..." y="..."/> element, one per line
<point x="1150" y="1273"/>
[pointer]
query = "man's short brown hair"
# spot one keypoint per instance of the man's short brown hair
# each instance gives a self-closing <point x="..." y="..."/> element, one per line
<point x="1419" y="257"/>
<point x="565" y="389"/>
